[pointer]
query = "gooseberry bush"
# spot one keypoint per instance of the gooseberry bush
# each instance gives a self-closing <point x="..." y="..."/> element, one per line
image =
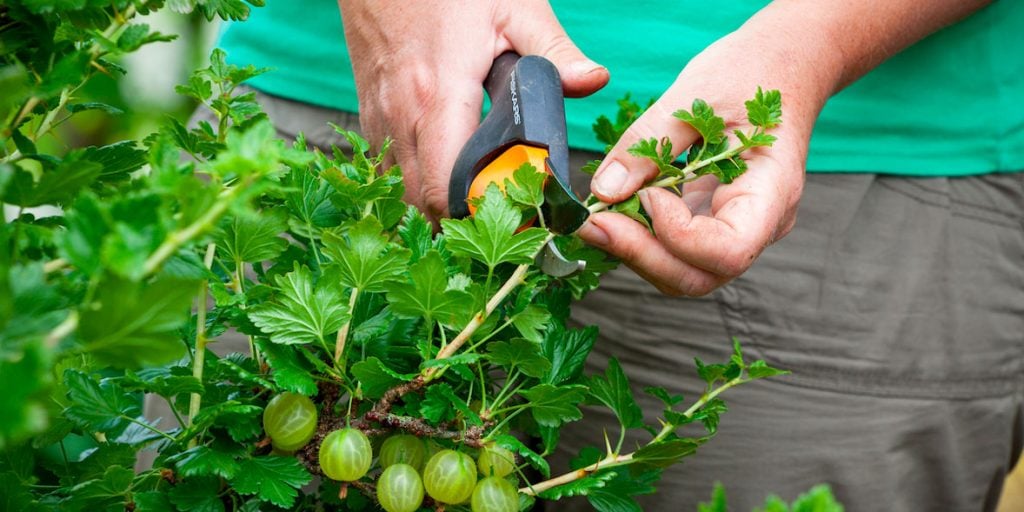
<point x="388" y="365"/>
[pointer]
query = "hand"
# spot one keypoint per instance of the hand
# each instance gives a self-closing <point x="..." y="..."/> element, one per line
<point x="713" y="232"/>
<point x="419" y="69"/>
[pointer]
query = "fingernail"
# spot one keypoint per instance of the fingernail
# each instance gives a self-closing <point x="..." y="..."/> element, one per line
<point x="582" y="67"/>
<point x="593" y="235"/>
<point x="644" y="200"/>
<point x="610" y="180"/>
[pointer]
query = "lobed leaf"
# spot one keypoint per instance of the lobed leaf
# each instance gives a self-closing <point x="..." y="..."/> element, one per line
<point x="490" y="236"/>
<point x="365" y="257"/>
<point x="98" y="406"/>
<point x="428" y="295"/>
<point x="303" y="311"/>
<point x="552" y="405"/>
<point x="613" y="390"/>
<point x="521" y="354"/>
<point x="765" y="110"/>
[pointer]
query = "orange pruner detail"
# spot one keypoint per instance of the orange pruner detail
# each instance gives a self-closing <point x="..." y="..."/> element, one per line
<point x="502" y="168"/>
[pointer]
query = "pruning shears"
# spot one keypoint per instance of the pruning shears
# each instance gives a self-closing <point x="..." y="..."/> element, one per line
<point x="526" y="124"/>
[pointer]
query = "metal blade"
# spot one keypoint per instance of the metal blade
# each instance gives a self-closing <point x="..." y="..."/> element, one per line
<point x="553" y="263"/>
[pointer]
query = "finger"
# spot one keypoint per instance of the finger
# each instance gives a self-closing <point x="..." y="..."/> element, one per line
<point x="725" y="244"/>
<point x="440" y="134"/>
<point x="633" y="244"/>
<point x="540" y="33"/>
<point x="621" y="174"/>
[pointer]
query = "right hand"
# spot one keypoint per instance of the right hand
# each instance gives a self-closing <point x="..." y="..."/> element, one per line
<point x="419" y="69"/>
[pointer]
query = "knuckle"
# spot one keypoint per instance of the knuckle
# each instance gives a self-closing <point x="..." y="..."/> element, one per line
<point x="435" y="198"/>
<point x="736" y="261"/>
<point x="686" y="285"/>
<point x="555" y="44"/>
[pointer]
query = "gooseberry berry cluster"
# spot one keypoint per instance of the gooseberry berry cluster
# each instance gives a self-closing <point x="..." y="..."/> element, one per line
<point x="407" y="467"/>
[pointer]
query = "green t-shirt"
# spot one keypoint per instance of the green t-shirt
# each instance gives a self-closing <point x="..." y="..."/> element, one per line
<point x="950" y="105"/>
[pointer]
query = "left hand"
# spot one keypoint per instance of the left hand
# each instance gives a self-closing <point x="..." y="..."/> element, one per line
<point x="713" y="232"/>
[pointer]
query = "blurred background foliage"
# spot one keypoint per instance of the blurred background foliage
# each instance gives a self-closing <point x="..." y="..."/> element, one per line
<point x="145" y="94"/>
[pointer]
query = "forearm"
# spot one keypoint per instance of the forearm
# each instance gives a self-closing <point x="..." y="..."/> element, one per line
<point x="829" y="44"/>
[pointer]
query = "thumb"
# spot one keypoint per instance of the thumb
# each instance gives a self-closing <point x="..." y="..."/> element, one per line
<point x="540" y="33"/>
<point x="622" y="173"/>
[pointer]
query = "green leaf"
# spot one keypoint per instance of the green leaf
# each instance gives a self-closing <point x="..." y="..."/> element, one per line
<point x="353" y="188"/>
<point x="135" y="36"/>
<point x="291" y="372"/>
<point x="633" y="209"/>
<point x="94" y="462"/>
<point x="205" y="461"/>
<point x="15" y="494"/>
<point x="197" y="495"/>
<point x="662" y="394"/>
<point x="56" y="186"/>
<point x="68" y="71"/>
<point x="152" y="501"/>
<point x="22" y="143"/>
<point x="136" y="435"/>
<point x="725" y="170"/>
<point x="490" y="235"/>
<point x="133" y="324"/>
<point x="760" y="370"/>
<point x="554" y="405"/>
<point x="98" y="406"/>
<point x="526" y="188"/>
<point x="24" y="377"/>
<point x="666" y="453"/>
<point x="215" y="413"/>
<point x="375" y="378"/>
<point x="711" y="373"/>
<point x="254" y="237"/>
<point x="416" y="232"/>
<point x="428" y="295"/>
<point x="302" y="312"/>
<point x="309" y="199"/>
<point x="459" y="363"/>
<point x="436" y="407"/>
<point x="519" y="353"/>
<point x="440" y="404"/>
<point x="515" y="445"/>
<point x="161" y="381"/>
<point x="110" y="489"/>
<point x="273" y="479"/>
<point x="579" y="487"/>
<point x="818" y="499"/>
<point x="236" y="10"/>
<point x="617" y="494"/>
<point x="660" y="156"/>
<point x="366" y="259"/>
<point x="773" y="504"/>
<point x="567" y="350"/>
<point x="718" y="502"/>
<point x="628" y="112"/>
<point x="710" y="414"/>
<point x="755" y="139"/>
<point x="765" y="110"/>
<point x="75" y="108"/>
<point x="239" y="369"/>
<point x="243" y="425"/>
<point x="614" y="392"/>
<point x="702" y="118"/>
<point x="531" y="322"/>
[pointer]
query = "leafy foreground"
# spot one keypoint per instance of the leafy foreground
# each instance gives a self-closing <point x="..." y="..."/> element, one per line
<point x="818" y="499"/>
<point x="451" y="344"/>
